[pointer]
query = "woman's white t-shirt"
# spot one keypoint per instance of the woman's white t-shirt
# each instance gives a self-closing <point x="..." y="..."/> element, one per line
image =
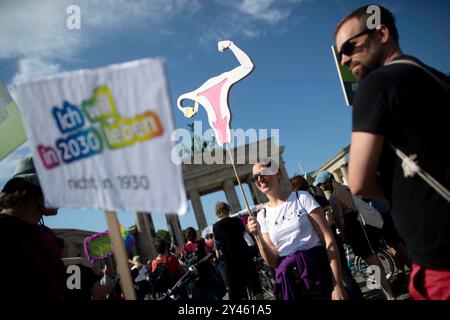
<point x="289" y="225"/>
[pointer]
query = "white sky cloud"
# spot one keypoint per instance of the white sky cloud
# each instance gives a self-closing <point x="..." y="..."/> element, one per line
<point x="271" y="11"/>
<point x="249" y="18"/>
<point x="31" y="68"/>
<point x="35" y="33"/>
<point x="261" y="9"/>
<point x="39" y="27"/>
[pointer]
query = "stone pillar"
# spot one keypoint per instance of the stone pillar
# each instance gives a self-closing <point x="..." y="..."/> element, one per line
<point x="344" y="174"/>
<point x="148" y="220"/>
<point x="231" y="195"/>
<point x="175" y="229"/>
<point x="145" y="237"/>
<point x="198" y="209"/>
<point x="258" y="196"/>
<point x="326" y="194"/>
<point x="337" y="177"/>
<point x="255" y="196"/>
<point x="284" y="176"/>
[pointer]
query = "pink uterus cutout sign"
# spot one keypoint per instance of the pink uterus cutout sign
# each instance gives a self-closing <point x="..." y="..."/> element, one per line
<point x="213" y="94"/>
<point x="221" y="125"/>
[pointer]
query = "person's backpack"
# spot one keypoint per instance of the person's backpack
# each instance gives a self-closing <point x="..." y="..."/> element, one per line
<point x="160" y="277"/>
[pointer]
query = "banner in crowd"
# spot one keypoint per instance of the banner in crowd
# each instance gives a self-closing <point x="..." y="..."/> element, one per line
<point x="12" y="132"/>
<point x="101" y="138"/>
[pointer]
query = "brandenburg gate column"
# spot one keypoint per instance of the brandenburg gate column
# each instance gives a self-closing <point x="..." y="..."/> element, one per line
<point x="231" y="195"/>
<point x="344" y="175"/>
<point x="146" y="241"/>
<point x="198" y="209"/>
<point x="337" y="177"/>
<point x="258" y="196"/>
<point x="285" y="176"/>
<point x="175" y="228"/>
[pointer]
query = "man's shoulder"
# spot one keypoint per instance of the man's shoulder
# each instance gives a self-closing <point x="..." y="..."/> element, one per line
<point x="392" y="75"/>
<point x="10" y="225"/>
<point x="6" y="218"/>
<point x="236" y="220"/>
<point x="378" y="80"/>
<point x="219" y="224"/>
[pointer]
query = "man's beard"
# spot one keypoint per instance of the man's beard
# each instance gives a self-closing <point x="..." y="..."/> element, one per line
<point x="374" y="62"/>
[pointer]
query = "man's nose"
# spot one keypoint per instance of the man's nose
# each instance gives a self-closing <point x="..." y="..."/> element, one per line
<point x="345" y="60"/>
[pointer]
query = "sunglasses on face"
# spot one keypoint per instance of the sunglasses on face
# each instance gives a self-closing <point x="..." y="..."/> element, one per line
<point x="323" y="185"/>
<point x="348" y="48"/>
<point x="263" y="174"/>
<point x="256" y="177"/>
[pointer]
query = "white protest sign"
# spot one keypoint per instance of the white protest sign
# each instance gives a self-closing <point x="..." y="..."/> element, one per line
<point x="101" y="138"/>
<point x="12" y="133"/>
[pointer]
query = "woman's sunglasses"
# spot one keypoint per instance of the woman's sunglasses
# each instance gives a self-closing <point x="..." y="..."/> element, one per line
<point x="263" y="173"/>
<point x="348" y="48"/>
<point x="256" y="177"/>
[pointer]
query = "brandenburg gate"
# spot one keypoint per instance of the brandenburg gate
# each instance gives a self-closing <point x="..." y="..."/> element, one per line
<point x="201" y="178"/>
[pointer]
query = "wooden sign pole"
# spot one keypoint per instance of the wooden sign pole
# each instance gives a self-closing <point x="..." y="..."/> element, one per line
<point x="120" y="255"/>
<point x="239" y="182"/>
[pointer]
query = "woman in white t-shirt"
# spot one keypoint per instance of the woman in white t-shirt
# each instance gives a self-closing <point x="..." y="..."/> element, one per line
<point x="293" y="236"/>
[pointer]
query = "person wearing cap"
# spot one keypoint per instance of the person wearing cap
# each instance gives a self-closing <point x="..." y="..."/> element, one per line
<point x="346" y="216"/>
<point x="353" y="291"/>
<point x="294" y="237"/>
<point x="31" y="266"/>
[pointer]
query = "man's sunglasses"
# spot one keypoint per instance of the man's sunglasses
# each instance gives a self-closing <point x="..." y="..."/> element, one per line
<point x="348" y="48"/>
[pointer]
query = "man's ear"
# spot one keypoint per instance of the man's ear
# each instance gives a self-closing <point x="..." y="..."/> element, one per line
<point x="383" y="34"/>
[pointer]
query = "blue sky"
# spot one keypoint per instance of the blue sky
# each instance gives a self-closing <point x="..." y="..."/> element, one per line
<point x="294" y="87"/>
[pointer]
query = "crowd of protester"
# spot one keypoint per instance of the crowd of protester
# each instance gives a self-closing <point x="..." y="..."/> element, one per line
<point x="301" y="230"/>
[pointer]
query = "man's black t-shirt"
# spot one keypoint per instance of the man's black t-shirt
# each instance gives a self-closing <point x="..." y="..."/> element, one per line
<point x="237" y="260"/>
<point x="230" y="233"/>
<point x="409" y="109"/>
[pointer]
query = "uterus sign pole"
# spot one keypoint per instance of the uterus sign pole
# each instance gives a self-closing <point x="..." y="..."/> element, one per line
<point x="213" y="96"/>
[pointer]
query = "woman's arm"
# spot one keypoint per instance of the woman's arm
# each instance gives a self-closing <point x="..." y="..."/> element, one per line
<point x="323" y="230"/>
<point x="266" y="247"/>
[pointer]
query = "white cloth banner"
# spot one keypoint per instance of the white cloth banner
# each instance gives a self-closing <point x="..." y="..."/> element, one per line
<point x="101" y="138"/>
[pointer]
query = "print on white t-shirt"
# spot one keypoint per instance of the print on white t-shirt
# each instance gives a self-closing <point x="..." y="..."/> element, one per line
<point x="289" y="225"/>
